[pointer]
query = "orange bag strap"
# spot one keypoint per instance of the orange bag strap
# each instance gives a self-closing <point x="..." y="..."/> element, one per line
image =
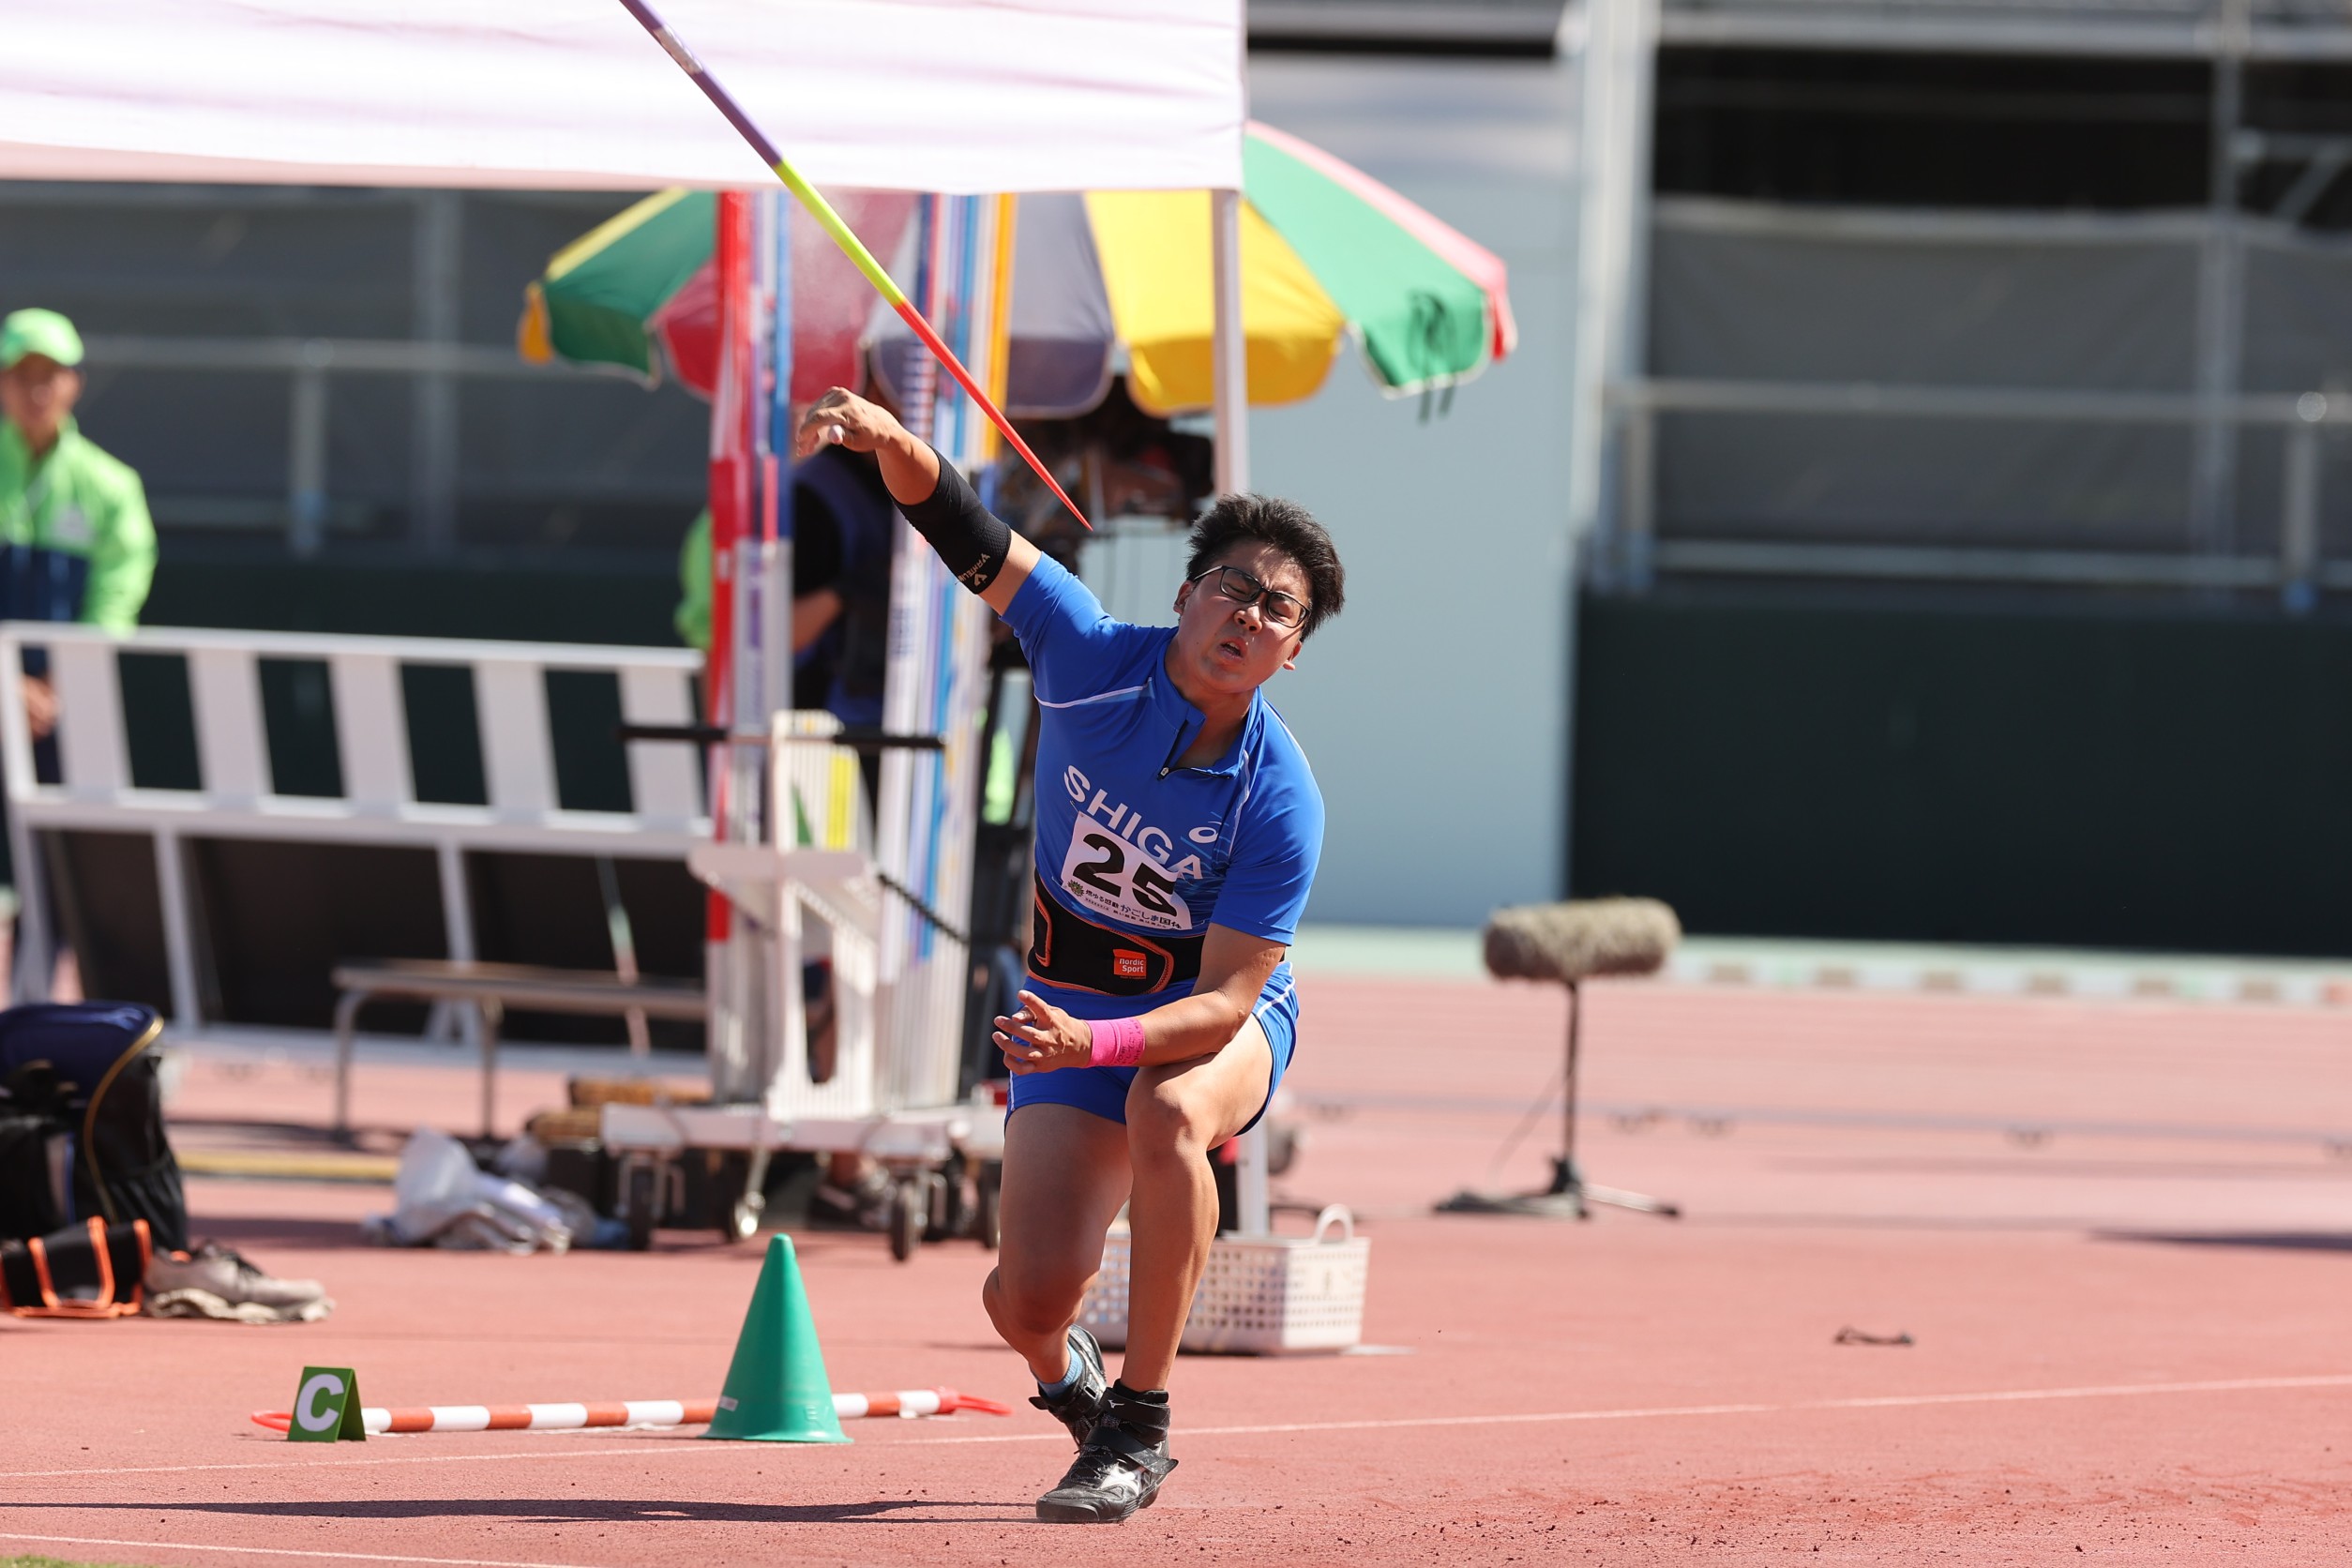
<point x="52" y="1305"/>
<point x="39" y="1250"/>
<point x="105" y="1262"/>
<point x="146" y="1256"/>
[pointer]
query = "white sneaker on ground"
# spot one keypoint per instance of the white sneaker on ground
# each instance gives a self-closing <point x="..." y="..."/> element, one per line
<point x="215" y="1281"/>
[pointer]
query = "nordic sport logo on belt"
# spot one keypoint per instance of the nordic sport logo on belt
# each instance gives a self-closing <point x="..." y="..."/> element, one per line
<point x="1067" y="949"/>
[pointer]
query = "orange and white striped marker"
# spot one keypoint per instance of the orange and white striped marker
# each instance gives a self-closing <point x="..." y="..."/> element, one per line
<point x="906" y="1402"/>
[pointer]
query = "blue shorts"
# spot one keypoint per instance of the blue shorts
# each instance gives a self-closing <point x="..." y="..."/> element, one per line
<point x="1102" y="1091"/>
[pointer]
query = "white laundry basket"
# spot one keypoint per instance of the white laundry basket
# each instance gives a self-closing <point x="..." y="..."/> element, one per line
<point x="1260" y="1295"/>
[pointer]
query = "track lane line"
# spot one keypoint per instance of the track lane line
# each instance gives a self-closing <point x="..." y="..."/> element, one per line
<point x="607" y="1448"/>
<point x="584" y="1450"/>
<point x="1891" y="1401"/>
<point x="282" y="1551"/>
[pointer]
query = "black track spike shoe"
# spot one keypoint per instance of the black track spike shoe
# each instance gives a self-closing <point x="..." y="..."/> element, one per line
<point x="1119" y="1468"/>
<point x="1081" y="1406"/>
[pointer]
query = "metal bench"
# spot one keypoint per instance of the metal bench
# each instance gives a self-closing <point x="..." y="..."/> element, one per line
<point x="489" y="989"/>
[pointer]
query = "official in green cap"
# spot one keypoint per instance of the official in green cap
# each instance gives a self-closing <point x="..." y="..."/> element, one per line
<point x="76" y="543"/>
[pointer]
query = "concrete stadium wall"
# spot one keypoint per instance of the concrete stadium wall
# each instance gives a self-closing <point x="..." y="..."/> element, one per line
<point x="1433" y="710"/>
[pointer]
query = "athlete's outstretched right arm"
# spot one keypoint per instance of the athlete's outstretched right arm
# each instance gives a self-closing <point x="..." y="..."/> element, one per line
<point x="986" y="555"/>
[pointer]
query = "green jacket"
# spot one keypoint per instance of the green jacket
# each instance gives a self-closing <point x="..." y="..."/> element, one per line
<point x="76" y="543"/>
<point x="693" y="616"/>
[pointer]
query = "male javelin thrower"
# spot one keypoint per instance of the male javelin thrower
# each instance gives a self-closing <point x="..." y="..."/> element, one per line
<point x="1178" y="828"/>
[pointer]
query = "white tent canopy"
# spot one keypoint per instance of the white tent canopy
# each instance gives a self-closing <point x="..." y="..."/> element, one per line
<point x="905" y="95"/>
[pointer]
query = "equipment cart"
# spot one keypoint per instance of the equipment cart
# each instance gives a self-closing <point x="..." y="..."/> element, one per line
<point x="838" y="970"/>
<point x="847" y="1037"/>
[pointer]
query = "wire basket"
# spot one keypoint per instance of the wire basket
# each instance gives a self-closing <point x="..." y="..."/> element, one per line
<point x="1260" y="1295"/>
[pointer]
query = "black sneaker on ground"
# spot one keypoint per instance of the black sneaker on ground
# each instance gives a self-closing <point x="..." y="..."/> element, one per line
<point x="1119" y="1468"/>
<point x="1080" y="1405"/>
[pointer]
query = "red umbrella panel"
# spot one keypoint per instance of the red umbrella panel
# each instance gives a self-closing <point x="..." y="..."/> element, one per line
<point x="831" y="301"/>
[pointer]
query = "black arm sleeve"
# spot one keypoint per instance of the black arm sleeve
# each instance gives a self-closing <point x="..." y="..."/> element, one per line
<point x="971" y="539"/>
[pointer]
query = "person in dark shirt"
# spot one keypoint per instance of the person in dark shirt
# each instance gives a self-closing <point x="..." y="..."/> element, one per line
<point x="841" y="543"/>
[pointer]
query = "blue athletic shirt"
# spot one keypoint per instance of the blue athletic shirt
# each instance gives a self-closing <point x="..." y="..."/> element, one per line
<point x="1126" y="838"/>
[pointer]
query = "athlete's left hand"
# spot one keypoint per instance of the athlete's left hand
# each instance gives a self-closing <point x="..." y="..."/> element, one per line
<point x="1041" y="1037"/>
<point x="842" y="418"/>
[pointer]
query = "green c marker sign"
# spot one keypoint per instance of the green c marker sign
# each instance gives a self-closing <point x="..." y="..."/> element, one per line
<point x="326" y="1407"/>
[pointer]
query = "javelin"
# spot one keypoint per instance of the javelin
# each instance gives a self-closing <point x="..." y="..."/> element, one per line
<point x="851" y="247"/>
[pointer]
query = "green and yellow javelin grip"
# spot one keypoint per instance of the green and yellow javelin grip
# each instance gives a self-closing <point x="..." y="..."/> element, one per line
<point x="851" y="247"/>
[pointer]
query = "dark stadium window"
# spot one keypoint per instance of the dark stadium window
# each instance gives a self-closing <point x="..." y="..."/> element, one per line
<point x="1919" y="130"/>
<point x="158" y="721"/>
<point x="298" y="716"/>
<point x="444" y="734"/>
<point x="2297" y="146"/>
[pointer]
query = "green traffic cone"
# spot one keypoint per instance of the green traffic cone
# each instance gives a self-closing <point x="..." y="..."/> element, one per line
<point x="776" y="1388"/>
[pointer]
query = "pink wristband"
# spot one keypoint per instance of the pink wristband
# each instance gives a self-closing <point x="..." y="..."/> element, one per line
<point x="1118" y="1042"/>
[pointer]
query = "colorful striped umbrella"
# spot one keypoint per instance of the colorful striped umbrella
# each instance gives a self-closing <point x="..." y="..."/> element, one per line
<point x="641" y="289"/>
<point x="1328" y="254"/>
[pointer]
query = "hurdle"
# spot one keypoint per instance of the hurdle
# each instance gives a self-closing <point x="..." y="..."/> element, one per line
<point x="239" y="797"/>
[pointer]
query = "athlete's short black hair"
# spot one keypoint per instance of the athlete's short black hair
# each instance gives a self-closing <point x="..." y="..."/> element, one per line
<point x="1287" y="526"/>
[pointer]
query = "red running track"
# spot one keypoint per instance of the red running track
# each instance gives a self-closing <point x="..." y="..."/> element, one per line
<point x="2130" y="1322"/>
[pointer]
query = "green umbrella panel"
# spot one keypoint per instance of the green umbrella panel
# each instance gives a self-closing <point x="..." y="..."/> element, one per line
<point x="598" y="299"/>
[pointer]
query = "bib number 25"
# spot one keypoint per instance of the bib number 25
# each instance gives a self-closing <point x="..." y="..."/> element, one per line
<point x="1113" y="877"/>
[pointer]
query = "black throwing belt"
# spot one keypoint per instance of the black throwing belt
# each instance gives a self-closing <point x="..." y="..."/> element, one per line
<point x="1068" y="949"/>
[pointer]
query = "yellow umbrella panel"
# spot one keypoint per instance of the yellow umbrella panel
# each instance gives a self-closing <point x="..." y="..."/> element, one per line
<point x="1151" y="246"/>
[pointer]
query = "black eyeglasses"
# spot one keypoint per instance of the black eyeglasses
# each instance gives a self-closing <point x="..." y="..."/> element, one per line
<point x="1284" y="610"/>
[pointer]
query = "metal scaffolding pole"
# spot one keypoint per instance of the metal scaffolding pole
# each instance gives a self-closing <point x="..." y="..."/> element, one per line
<point x="1232" y="361"/>
<point x="435" y="313"/>
<point x="1617" y="79"/>
<point x="2220" y="298"/>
